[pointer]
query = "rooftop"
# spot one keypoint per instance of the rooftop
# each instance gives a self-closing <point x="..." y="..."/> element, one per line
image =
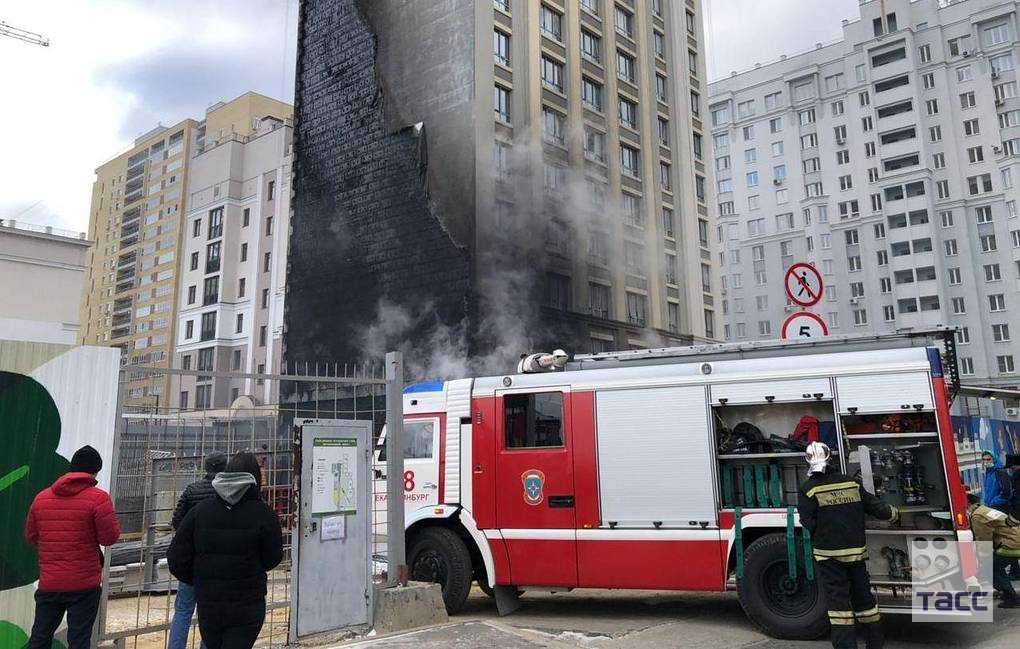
<point x="42" y="229"/>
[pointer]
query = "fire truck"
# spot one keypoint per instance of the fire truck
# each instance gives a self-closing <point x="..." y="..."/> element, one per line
<point x="678" y="469"/>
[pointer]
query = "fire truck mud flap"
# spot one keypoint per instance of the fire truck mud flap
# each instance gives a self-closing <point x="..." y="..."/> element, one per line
<point x="781" y="602"/>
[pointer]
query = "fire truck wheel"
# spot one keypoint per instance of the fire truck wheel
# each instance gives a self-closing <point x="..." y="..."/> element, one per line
<point x="483" y="585"/>
<point x="438" y="555"/>
<point x="790" y="609"/>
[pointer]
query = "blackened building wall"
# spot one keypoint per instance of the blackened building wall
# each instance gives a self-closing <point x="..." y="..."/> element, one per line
<point x="489" y="237"/>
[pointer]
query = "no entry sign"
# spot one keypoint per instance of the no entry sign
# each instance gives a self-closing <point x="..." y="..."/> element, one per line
<point x="804" y="284"/>
<point x="804" y="325"/>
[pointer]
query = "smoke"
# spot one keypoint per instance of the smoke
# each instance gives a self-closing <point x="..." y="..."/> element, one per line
<point x="545" y="228"/>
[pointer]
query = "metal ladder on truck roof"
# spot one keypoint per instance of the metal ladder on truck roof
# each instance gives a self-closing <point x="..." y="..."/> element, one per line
<point x="943" y="338"/>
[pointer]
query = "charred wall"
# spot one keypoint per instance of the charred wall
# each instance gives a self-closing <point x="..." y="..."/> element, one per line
<point x="371" y="222"/>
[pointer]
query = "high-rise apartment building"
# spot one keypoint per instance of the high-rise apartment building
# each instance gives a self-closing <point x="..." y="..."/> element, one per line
<point x="541" y="175"/>
<point x="887" y="160"/>
<point x="234" y="256"/>
<point x="136" y="222"/>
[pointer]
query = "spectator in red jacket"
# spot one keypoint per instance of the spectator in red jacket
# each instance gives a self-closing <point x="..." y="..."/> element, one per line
<point x="68" y="522"/>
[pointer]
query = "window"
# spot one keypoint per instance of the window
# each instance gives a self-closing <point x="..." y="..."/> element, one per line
<point x="552" y="74"/>
<point x="865" y="98"/>
<point x="876" y="202"/>
<point x="872" y="174"/>
<point x="1005" y="364"/>
<point x="751" y="156"/>
<point x="625" y="66"/>
<point x="752" y="179"/>
<point x="932" y="106"/>
<point x="833" y="83"/>
<point x="598" y="300"/>
<point x="501" y="47"/>
<point x="885" y="285"/>
<point x="997" y="302"/>
<point x="967" y="100"/>
<point x="979" y="184"/>
<point x="265" y="298"/>
<point x="725" y="185"/>
<point x="267" y="262"/>
<point x="1009" y="119"/>
<point x="984" y="214"/>
<point x="809" y="141"/>
<point x="502" y="104"/>
<point x="1000" y="333"/>
<point x="1000" y="64"/>
<point x="995" y="35"/>
<point x="950" y="246"/>
<point x="928" y="80"/>
<point x="772" y="100"/>
<point x="852" y="238"/>
<point x="208" y="330"/>
<point x="764" y="328"/>
<point x="1011" y="209"/>
<point x="942" y="189"/>
<point x="629" y="161"/>
<point x="591" y="94"/>
<point x="269" y="226"/>
<point x="551" y="23"/>
<point x="806" y="116"/>
<point x="720" y="116"/>
<point x="1007" y="178"/>
<point x="955" y="278"/>
<point x="194" y="261"/>
<point x="748" y="133"/>
<point x="191" y="294"/>
<point x="752" y="202"/>
<point x="856" y="289"/>
<point x="533" y="420"/>
<point x="869" y="149"/>
<point x="594" y="145"/>
<point x="963" y="74"/>
<point x="924" y="53"/>
<point x="843" y="157"/>
<point x="196" y="228"/>
<point x="988" y="243"/>
<point x="637" y="309"/>
<point x="659" y="45"/>
<point x="812" y="165"/>
<point x="271" y="190"/>
<point x="849" y="209"/>
<point x="846" y="183"/>
<point x="992" y="273"/>
<point x="814" y="190"/>
<point x="755" y="227"/>
<point x="826" y="241"/>
<point x="776" y="125"/>
<point x="803" y="90"/>
<point x="786" y="248"/>
<point x="959" y="306"/>
<point x="591" y="46"/>
<point x="782" y="197"/>
<point x="241" y="285"/>
<point x="660" y="88"/>
<point x="695" y="104"/>
<point x="665" y="177"/>
<point x="628" y="113"/>
<point x="879" y="230"/>
<point x="212" y="257"/>
<point x="552" y="126"/>
<point x="624" y="21"/>
<point x="779" y="172"/>
<point x="211" y="290"/>
<point x="591" y="5"/>
<point x="935" y="132"/>
<point x="664" y="140"/>
<point x="189" y="332"/>
<point x="762" y="302"/>
<point x="692" y="61"/>
<point x="888" y="313"/>
<point x="867" y="124"/>
<point x="862" y="72"/>
<point x="860" y="317"/>
<point x="882" y="257"/>
<point x="971" y="127"/>
<point x="966" y="365"/>
<point x="503" y="5"/>
<point x="853" y="263"/>
<point x="938" y="160"/>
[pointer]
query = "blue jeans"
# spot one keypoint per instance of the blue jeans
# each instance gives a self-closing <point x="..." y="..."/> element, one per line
<point x="184" y="609"/>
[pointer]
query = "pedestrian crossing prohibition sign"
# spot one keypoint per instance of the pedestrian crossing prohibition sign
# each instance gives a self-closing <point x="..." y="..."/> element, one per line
<point x="804" y="284"/>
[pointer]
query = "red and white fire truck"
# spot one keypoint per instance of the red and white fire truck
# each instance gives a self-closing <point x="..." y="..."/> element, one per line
<point x="674" y="469"/>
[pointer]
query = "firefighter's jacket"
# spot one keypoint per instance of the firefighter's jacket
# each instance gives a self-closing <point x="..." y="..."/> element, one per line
<point x="1001" y="529"/>
<point x="832" y="508"/>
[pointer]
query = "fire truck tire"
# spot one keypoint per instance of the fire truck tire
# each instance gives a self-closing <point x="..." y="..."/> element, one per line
<point x="789" y="609"/>
<point x="438" y="555"/>
<point x="483" y="585"/>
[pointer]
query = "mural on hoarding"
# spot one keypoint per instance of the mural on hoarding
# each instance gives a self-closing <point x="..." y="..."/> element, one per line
<point x="974" y="435"/>
<point x="53" y="400"/>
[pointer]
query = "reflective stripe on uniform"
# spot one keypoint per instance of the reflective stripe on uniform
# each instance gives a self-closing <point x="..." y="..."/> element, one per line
<point x="843" y="552"/>
<point x="844" y="618"/>
<point x="868" y="616"/>
<point x="895" y="514"/>
<point x="835" y="486"/>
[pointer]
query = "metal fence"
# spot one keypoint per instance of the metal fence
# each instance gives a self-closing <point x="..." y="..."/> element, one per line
<point x="158" y="451"/>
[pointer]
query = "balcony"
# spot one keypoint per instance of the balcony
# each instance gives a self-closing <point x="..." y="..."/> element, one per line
<point x="120" y="332"/>
<point x="126" y="285"/>
<point x="122" y="305"/>
<point x="121" y="320"/>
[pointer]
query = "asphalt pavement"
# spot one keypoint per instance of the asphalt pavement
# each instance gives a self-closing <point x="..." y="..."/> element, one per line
<point x="645" y="620"/>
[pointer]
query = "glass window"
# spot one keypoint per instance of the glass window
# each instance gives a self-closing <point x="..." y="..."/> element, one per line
<point x="551" y="22"/>
<point x="501" y="47"/>
<point x="591" y="46"/>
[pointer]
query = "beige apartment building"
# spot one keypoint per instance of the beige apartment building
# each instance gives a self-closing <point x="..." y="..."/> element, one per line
<point x="136" y="221"/>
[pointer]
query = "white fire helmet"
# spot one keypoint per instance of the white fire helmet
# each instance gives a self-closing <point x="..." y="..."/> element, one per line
<point x="817" y="456"/>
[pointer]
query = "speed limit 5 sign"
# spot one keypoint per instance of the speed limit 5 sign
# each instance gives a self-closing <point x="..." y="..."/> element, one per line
<point x="804" y="325"/>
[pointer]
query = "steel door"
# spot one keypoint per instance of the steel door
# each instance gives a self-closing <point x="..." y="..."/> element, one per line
<point x="535" y="487"/>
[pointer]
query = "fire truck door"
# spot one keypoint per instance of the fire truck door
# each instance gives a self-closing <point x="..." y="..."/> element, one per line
<point x="535" y="487"/>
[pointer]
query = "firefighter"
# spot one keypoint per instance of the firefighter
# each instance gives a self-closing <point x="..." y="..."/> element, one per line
<point x="832" y="507"/>
<point x="1003" y="532"/>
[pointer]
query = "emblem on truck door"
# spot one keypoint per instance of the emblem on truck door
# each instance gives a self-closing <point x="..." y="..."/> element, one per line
<point x="533" y="481"/>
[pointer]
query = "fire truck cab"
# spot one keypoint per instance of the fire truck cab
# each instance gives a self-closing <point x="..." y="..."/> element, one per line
<point x="675" y="469"/>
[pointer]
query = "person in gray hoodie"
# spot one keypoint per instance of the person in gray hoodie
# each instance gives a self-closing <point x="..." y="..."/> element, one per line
<point x="224" y="547"/>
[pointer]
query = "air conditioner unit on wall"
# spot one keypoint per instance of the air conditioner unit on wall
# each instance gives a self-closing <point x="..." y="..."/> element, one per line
<point x="965" y="53"/>
<point x="995" y="74"/>
<point x="777" y="181"/>
<point x="1012" y="412"/>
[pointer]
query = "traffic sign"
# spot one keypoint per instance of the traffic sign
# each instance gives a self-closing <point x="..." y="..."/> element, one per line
<point x="804" y="284"/>
<point x="803" y="325"/>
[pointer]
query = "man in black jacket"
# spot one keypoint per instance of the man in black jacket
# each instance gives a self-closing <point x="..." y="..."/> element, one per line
<point x="832" y="507"/>
<point x="225" y="546"/>
<point x="194" y="493"/>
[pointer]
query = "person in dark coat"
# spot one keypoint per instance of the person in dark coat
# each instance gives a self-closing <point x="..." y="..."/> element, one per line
<point x="225" y="546"/>
<point x="194" y="493"/>
<point x="68" y="522"/>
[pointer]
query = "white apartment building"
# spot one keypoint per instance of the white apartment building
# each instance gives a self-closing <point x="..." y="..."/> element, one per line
<point x="888" y="160"/>
<point x="233" y="266"/>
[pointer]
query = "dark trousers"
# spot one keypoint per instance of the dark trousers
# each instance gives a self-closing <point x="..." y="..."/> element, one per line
<point x="81" y="608"/>
<point x="1000" y="580"/>
<point x="235" y="627"/>
<point x="849" y="601"/>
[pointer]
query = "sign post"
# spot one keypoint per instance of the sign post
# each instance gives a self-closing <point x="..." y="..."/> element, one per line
<point x="804" y="287"/>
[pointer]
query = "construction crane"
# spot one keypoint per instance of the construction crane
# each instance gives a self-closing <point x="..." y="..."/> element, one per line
<point x="23" y="35"/>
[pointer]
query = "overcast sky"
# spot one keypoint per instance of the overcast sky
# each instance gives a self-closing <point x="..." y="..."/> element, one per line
<point x="116" y="68"/>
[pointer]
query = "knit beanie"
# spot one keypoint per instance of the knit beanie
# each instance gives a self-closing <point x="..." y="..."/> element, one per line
<point x="86" y="460"/>
<point x="215" y="462"/>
